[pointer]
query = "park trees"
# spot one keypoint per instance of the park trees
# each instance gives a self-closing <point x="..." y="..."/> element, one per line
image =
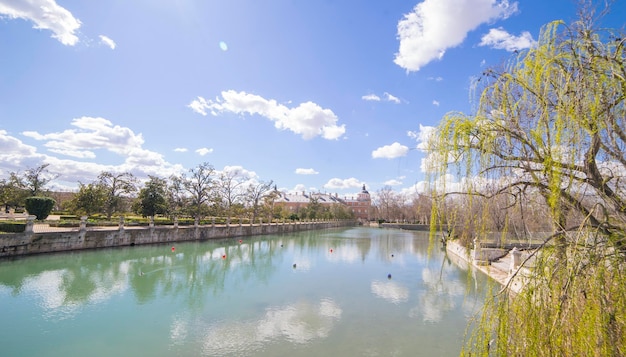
<point x="200" y="187"/>
<point x="152" y="198"/>
<point x="255" y="194"/>
<point x="229" y="188"/>
<point x="35" y="179"/>
<point x="550" y="128"/>
<point x="89" y="199"/>
<point x="119" y="186"/>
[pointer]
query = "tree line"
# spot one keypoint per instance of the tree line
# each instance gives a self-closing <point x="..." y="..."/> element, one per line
<point x="199" y="193"/>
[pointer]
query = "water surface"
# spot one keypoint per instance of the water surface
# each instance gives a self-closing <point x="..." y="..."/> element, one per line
<point x="339" y="292"/>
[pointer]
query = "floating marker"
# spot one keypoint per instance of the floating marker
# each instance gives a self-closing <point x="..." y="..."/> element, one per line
<point x="224" y="256"/>
<point x="294" y="265"/>
<point x="392" y="255"/>
<point x="331" y="250"/>
<point x="388" y="276"/>
<point x="173" y="249"/>
<point x="240" y="241"/>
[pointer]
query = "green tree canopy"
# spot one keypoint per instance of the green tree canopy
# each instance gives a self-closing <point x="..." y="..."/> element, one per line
<point x="152" y="199"/>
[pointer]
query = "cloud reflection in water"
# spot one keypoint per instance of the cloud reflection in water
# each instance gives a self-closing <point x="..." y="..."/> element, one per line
<point x="299" y="323"/>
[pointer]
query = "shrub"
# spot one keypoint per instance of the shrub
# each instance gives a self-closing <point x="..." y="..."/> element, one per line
<point x="40" y="207"/>
<point x="12" y="227"/>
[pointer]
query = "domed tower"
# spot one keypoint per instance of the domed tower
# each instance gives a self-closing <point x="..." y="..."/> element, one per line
<point x="363" y="205"/>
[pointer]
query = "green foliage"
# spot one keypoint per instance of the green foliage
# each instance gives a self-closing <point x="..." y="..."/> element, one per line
<point x="40" y="207"/>
<point x="547" y="146"/>
<point x="152" y="198"/>
<point x="12" y="227"/>
<point x="90" y="199"/>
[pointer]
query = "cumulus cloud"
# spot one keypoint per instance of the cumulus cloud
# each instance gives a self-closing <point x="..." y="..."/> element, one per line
<point x="180" y="150"/>
<point x="371" y="97"/>
<point x="45" y="15"/>
<point x="88" y="137"/>
<point x="386" y="97"/>
<point x="502" y="40"/>
<point x="436" y="103"/>
<point x="392" y="151"/>
<point x="300" y="171"/>
<point x="339" y="184"/>
<point x="391" y="98"/>
<point x="393" y="182"/>
<point x="307" y="119"/>
<point x="108" y="42"/>
<point x="204" y="151"/>
<point x="437" y="25"/>
<point x="422" y="136"/>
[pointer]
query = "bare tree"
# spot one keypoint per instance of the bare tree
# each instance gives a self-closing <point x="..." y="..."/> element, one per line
<point x="229" y="187"/>
<point x="119" y="186"/>
<point x="200" y="186"/>
<point x="255" y="193"/>
<point x="36" y="179"/>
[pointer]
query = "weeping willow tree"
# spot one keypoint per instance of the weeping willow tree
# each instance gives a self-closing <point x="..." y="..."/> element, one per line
<point x="549" y="131"/>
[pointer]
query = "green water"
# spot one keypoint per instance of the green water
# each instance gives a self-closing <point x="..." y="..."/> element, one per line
<point x="232" y="298"/>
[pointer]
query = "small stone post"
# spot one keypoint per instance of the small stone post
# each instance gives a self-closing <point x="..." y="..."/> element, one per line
<point x="516" y="259"/>
<point x="83" y="223"/>
<point x="151" y="225"/>
<point x="30" y="223"/>
<point x="175" y="222"/>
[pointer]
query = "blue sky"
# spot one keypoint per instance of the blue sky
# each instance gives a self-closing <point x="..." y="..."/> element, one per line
<point x="323" y="95"/>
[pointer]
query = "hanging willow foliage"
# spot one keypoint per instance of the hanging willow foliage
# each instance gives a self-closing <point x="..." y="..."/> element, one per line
<point x="549" y="137"/>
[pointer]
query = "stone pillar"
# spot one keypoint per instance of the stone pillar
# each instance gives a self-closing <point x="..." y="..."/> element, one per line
<point x="175" y="222"/>
<point x="30" y="223"/>
<point x="261" y="221"/>
<point x="151" y="225"/>
<point x="516" y="259"/>
<point x="196" y="222"/>
<point x="212" y="222"/>
<point x="121" y="224"/>
<point x="228" y="222"/>
<point x="83" y="223"/>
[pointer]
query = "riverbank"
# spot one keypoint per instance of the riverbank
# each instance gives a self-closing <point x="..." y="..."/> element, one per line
<point x="34" y="242"/>
<point x="505" y="270"/>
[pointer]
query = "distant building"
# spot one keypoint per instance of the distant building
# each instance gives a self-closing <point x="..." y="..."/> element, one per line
<point x="360" y="206"/>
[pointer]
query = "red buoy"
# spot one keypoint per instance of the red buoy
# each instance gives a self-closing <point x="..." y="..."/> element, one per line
<point x="240" y="241"/>
<point x="173" y="249"/>
<point x="224" y="256"/>
<point x="331" y="250"/>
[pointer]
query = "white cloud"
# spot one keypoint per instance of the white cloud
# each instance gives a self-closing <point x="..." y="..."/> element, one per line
<point x="108" y="42"/>
<point x="46" y="15"/>
<point x="436" y="103"/>
<point x="308" y="119"/>
<point x="300" y="171"/>
<point x="386" y="96"/>
<point x="180" y="150"/>
<point x="339" y="184"/>
<point x="500" y="39"/>
<point x="392" y="182"/>
<point x="390" y="151"/>
<point x="371" y="97"/>
<point x="204" y="151"/>
<point x="436" y="25"/>
<point x="391" y="98"/>
<point x="436" y="79"/>
<point x="422" y="136"/>
<point x="83" y="142"/>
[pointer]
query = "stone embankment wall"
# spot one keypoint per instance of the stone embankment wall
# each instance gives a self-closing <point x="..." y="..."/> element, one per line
<point x="31" y="242"/>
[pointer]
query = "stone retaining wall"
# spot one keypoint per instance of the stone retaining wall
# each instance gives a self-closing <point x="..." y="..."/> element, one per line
<point x="90" y="238"/>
